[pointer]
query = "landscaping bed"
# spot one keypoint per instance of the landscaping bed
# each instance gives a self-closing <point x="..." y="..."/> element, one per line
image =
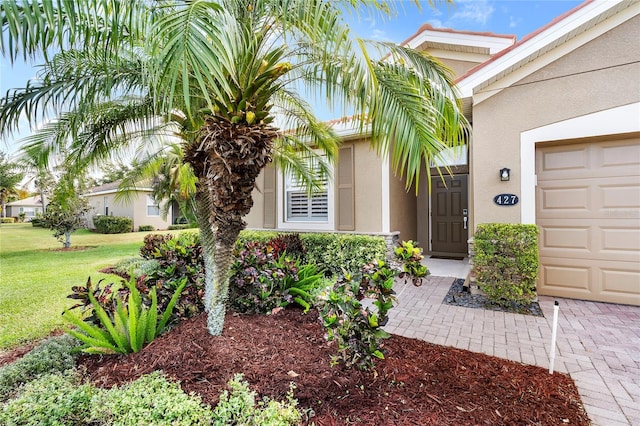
<point x="417" y="382"/>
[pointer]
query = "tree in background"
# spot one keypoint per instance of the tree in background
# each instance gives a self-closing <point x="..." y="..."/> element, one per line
<point x="10" y="177"/>
<point x="66" y="212"/>
<point x="219" y="73"/>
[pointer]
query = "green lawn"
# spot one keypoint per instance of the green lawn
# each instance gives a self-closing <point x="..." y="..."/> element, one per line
<point x="36" y="277"/>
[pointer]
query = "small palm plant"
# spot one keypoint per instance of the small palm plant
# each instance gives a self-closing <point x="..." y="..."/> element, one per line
<point x="129" y="327"/>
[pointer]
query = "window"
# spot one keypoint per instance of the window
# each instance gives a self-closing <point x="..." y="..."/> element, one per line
<point x="153" y="208"/>
<point x="302" y="207"/>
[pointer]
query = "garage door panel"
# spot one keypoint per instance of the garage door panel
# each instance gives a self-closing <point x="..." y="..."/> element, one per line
<point x="560" y="276"/>
<point x="618" y="156"/>
<point x="588" y="211"/>
<point x="620" y="281"/>
<point x="579" y="239"/>
<point x="620" y="240"/>
<point x="596" y="198"/>
<point x="606" y="281"/>
<point x="626" y="196"/>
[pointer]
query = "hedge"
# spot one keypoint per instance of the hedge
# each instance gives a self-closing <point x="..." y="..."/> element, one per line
<point x="113" y="224"/>
<point x="506" y="262"/>
<point x="335" y="254"/>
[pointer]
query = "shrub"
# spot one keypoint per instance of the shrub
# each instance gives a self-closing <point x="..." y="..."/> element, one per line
<point x="7" y="220"/>
<point x="152" y="399"/>
<point x="146" y="228"/>
<point x="506" y="262"/>
<point x="357" y="330"/>
<point x="21" y="216"/>
<point x="177" y="227"/>
<point x="55" y="354"/>
<point x="135" y="266"/>
<point x="52" y="399"/>
<point x="38" y="222"/>
<point x="150" y="248"/>
<point x="290" y="243"/>
<point x="179" y="258"/>
<point x="247" y="236"/>
<point x="113" y="224"/>
<point x="262" y="281"/>
<point x="337" y="254"/>
<point x="334" y="254"/>
<point x="239" y="407"/>
<point x="126" y="328"/>
<point x="410" y="255"/>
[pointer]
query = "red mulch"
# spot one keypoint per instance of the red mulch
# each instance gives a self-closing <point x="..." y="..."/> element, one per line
<point x="417" y="384"/>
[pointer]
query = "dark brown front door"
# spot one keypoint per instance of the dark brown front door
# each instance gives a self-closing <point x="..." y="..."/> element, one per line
<point x="449" y="212"/>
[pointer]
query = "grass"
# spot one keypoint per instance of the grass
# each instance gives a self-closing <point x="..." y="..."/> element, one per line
<point x="36" y="277"/>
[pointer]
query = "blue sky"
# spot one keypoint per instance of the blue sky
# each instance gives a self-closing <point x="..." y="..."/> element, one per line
<point x="518" y="17"/>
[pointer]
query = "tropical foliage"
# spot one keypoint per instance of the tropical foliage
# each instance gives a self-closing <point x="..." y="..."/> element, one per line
<point x="131" y="324"/>
<point x="215" y="75"/>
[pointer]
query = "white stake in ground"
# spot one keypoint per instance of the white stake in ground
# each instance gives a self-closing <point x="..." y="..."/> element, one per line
<point x="554" y="334"/>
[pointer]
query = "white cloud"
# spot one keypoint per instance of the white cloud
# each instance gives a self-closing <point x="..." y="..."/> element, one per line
<point x="473" y="11"/>
<point x="435" y="23"/>
<point x="513" y="21"/>
<point x="381" y="35"/>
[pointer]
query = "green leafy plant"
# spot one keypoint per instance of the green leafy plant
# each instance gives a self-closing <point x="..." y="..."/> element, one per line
<point x="410" y="255"/>
<point x="151" y="246"/>
<point x="146" y="228"/>
<point x="55" y="354"/>
<point x="338" y="254"/>
<point x="358" y="330"/>
<point x="239" y="407"/>
<point x="261" y="281"/>
<point x="182" y="226"/>
<point x="7" y="220"/>
<point x="51" y="399"/>
<point x="134" y="266"/>
<point x="129" y="327"/>
<point x="178" y="258"/>
<point x="150" y="400"/>
<point x="506" y="262"/>
<point x="112" y="224"/>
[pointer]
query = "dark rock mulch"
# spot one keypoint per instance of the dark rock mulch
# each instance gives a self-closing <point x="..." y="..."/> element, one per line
<point x="459" y="295"/>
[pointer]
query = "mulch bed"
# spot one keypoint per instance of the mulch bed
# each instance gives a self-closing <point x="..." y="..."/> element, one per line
<point x="417" y="384"/>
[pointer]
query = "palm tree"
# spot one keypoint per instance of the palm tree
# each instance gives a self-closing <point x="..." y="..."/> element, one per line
<point x="220" y="72"/>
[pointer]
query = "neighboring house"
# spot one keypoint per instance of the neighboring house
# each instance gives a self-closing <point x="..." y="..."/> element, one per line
<point x="560" y="109"/>
<point x="141" y="207"/>
<point x="31" y="207"/>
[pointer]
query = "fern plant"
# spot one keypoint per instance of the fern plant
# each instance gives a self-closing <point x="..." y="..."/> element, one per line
<point x="129" y="327"/>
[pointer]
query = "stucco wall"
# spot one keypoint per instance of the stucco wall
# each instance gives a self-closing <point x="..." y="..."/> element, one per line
<point x="136" y="210"/>
<point x="255" y="218"/>
<point x="403" y="205"/>
<point x="368" y="188"/>
<point x="600" y="75"/>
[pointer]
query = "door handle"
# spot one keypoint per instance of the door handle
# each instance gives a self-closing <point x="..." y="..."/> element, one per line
<point x="465" y="222"/>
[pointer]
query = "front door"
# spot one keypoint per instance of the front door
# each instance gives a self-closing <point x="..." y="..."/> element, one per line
<point x="449" y="215"/>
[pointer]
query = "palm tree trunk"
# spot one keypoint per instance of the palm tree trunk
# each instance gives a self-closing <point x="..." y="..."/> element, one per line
<point x="227" y="158"/>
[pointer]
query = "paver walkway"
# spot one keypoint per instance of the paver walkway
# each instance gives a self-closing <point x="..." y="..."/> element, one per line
<point x="598" y="344"/>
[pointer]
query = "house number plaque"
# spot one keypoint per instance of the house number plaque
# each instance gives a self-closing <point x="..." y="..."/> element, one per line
<point x="506" y="199"/>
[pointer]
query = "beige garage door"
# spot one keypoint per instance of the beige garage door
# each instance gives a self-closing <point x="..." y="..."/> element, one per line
<point x="588" y="211"/>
